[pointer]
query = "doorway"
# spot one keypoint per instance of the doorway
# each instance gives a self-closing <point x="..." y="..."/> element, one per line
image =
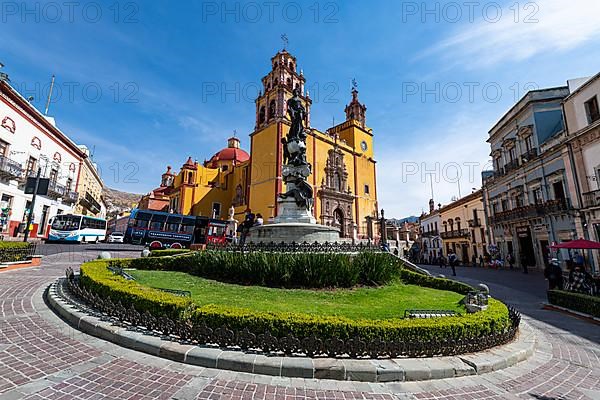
<point x="338" y="221"/>
<point x="526" y="251"/>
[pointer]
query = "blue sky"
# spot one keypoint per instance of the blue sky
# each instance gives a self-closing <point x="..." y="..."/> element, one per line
<point x="146" y="84"/>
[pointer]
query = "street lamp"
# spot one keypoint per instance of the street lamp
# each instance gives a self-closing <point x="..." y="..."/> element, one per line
<point x="3" y="76"/>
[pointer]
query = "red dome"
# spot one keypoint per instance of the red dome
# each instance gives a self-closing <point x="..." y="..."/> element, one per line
<point x="228" y="154"/>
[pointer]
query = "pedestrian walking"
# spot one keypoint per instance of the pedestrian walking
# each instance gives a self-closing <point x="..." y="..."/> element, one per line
<point x="474" y="261"/>
<point x="524" y="263"/>
<point x="480" y="261"/>
<point x="452" y="260"/>
<point x="553" y="272"/>
<point x="511" y="260"/>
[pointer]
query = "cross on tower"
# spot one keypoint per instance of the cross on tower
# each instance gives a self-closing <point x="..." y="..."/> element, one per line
<point x="285" y="40"/>
<point x="354" y="84"/>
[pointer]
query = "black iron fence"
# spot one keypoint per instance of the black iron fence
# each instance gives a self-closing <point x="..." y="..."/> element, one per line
<point x="188" y="332"/>
<point x="292" y="247"/>
<point x="13" y="254"/>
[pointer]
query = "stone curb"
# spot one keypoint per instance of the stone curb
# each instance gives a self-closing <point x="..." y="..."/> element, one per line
<point x="366" y="370"/>
<point x="570" y="311"/>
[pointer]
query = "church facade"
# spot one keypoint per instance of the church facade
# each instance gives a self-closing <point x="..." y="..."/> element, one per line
<point x="342" y="158"/>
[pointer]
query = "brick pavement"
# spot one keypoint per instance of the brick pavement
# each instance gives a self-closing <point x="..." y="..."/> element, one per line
<point x="43" y="358"/>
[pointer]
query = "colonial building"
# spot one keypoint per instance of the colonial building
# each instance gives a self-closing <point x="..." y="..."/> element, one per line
<point x="89" y="188"/>
<point x="582" y="155"/>
<point x="431" y="241"/>
<point x="527" y="200"/>
<point x="28" y="141"/>
<point x="342" y="159"/>
<point x="463" y="229"/>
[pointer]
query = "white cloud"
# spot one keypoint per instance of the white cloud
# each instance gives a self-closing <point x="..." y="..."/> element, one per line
<point x="404" y="172"/>
<point x="544" y="26"/>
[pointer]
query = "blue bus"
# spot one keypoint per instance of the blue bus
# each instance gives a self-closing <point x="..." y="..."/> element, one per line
<point x="76" y="228"/>
<point x="165" y="230"/>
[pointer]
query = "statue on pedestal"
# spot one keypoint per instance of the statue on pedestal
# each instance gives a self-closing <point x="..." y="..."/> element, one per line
<point x="296" y="169"/>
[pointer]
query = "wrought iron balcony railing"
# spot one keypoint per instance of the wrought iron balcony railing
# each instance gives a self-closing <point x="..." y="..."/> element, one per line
<point x="591" y="199"/>
<point x="511" y="166"/>
<point x="531" y="211"/>
<point x="456" y="234"/>
<point x="10" y="169"/>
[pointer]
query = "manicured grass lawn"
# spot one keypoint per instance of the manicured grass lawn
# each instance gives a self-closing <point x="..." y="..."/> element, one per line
<point x="365" y="303"/>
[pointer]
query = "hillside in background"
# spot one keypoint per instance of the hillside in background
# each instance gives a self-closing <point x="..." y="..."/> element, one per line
<point x="118" y="201"/>
<point x="398" y="222"/>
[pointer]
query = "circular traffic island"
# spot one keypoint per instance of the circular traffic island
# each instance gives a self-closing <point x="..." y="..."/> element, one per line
<point x="253" y="311"/>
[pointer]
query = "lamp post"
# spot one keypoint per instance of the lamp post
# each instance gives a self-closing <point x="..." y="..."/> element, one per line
<point x="383" y="230"/>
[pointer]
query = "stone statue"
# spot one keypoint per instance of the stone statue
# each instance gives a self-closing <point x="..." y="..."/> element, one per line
<point x="296" y="169"/>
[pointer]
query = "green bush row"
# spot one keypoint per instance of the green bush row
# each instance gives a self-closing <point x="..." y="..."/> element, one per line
<point x="97" y="278"/>
<point x="295" y="270"/>
<point x="14" y="245"/>
<point x="414" y="278"/>
<point x="168" y="252"/>
<point x="14" y="251"/>
<point x="575" y="301"/>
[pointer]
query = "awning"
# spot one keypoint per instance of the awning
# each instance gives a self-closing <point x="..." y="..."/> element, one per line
<point x="581" y="244"/>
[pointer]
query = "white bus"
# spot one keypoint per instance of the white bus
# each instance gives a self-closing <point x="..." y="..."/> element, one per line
<point x="77" y="228"/>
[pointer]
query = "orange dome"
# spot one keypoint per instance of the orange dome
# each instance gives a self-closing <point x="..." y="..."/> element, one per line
<point x="228" y="154"/>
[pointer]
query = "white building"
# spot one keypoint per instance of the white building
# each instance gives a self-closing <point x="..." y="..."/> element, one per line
<point x="28" y="141"/>
<point x="431" y="242"/>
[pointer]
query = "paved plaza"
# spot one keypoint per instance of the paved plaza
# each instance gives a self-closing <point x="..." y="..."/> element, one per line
<point x="41" y="357"/>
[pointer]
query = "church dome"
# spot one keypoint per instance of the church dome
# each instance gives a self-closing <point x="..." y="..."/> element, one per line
<point x="231" y="153"/>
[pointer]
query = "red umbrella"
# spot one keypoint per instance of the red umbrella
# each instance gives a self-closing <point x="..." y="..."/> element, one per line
<point x="577" y="244"/>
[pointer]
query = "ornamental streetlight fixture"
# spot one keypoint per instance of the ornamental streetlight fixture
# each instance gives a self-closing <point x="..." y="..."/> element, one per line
<point x="3" y="76"/>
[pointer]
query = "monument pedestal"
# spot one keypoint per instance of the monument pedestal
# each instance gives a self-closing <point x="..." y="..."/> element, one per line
<point x="296" y="232"/>
<point x="289" y="212"/>
<point x="293" y="224"/>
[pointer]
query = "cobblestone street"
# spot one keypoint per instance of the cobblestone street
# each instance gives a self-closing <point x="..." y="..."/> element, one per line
<point x="41" y="357"/>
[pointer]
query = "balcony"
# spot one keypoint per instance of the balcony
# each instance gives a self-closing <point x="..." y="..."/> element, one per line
<point x="58" y="191"/>
<point x="10" y="169"/>
<point x="456" y="234"/>
<point x="430" y="233"/>
<point x="474" y="223"/>
<point x="531" y="211"/>
<point x="591" y="199"/>
<point x="511" y="166"/>
<point x="529" y="155"/>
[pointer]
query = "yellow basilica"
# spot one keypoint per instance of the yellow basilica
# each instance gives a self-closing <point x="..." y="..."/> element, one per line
<point x="343" y="166"/>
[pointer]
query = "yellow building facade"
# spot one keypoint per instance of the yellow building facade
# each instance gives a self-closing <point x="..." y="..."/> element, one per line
<point x="89" y="188"/>
<point x="463" y="228"/>
<point x="342" y="158"/>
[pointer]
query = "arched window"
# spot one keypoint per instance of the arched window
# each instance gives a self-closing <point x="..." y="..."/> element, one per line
<point x="190" y="177"/>
<point x="289" y="82"/>
<point x="457" y="223"/>
<point x="271" y="109"/>
<point x="261" y="115"/>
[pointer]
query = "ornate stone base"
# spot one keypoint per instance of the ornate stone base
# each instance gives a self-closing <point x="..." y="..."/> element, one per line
<point x="289" y="212"/>
<point x="293" y="232"/>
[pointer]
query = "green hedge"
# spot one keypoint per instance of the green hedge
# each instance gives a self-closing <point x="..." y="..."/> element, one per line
<point x="168" y="252"/>
<point x="96" y="277"/>
<point x="575" y="301"/>
<point x="288" y="270"/>
<point x="415" y="278"/>
<point x="14" y="245"/>
<point x="14" y="251"/>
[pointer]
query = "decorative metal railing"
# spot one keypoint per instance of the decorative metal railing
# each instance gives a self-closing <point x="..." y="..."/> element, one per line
<point x="591" y="199"/>
<point x="292" y="247"/>
<point x="14" y="254"/>
<point x="455" y="234"/>
<point x="531" y="211"/>
<point x="189" y="332"/>
<point x="10" y="168"/>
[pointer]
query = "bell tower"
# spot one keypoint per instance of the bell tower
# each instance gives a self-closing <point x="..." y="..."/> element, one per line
<point x="356" y="110"/>
<point x="278" y="85"/>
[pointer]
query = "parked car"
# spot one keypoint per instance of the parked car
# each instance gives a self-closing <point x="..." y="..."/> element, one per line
<point x="116" y="237"/>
